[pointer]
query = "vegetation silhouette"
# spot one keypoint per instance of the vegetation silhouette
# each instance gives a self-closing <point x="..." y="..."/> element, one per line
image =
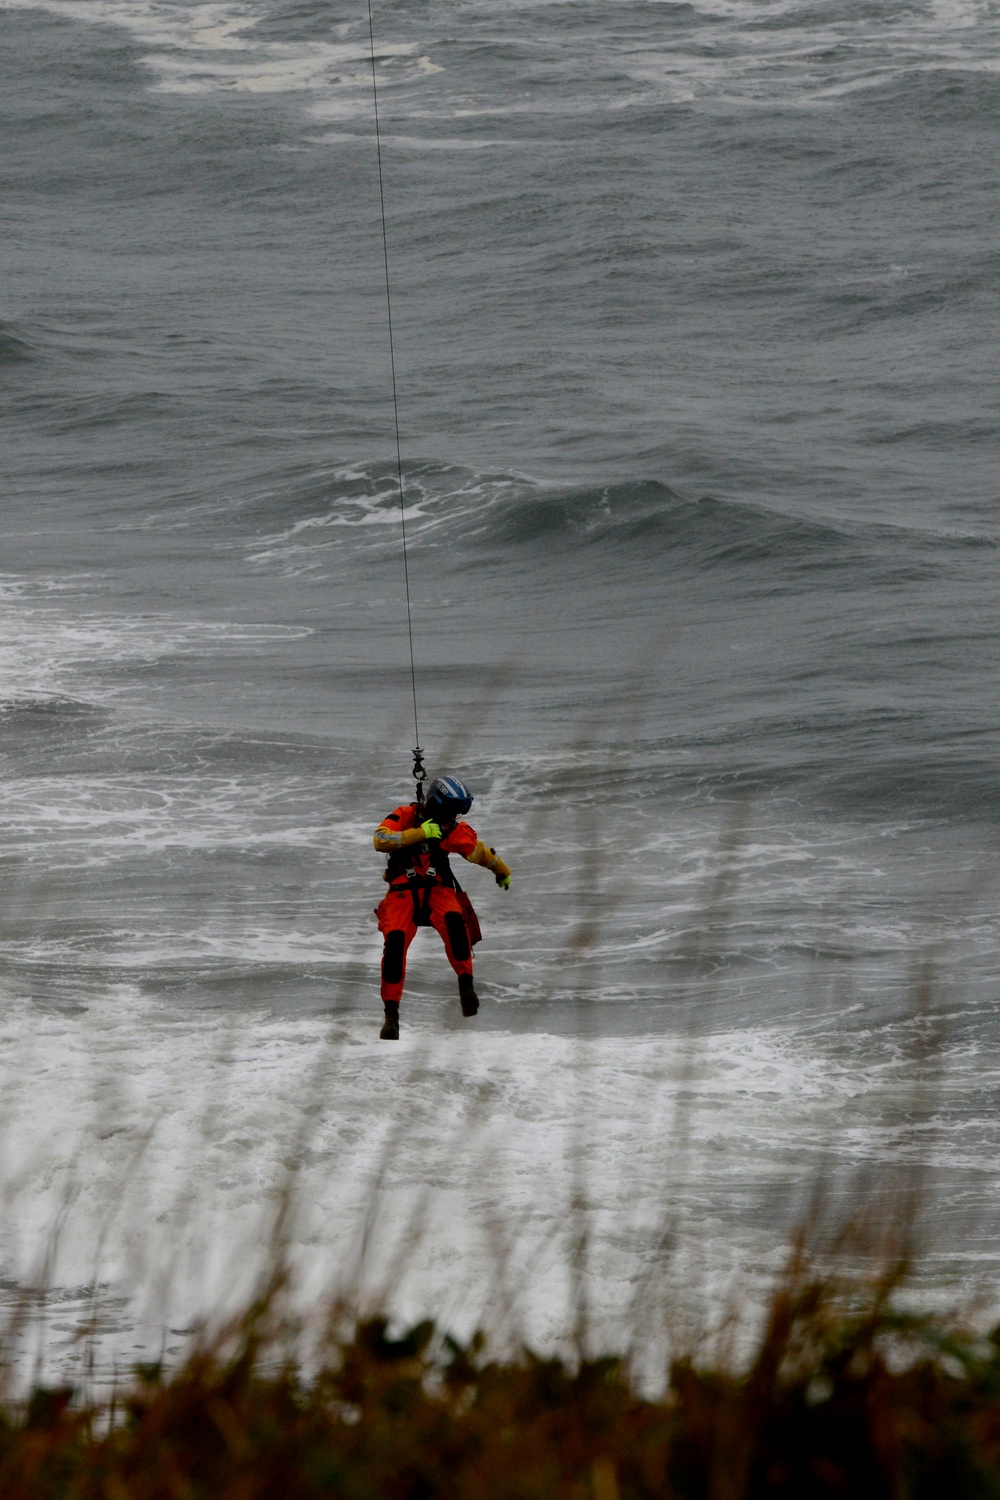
<point x="844" y="1393"/>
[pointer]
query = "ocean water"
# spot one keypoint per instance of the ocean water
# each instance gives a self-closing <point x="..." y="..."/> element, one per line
<point x="695" y="337"/>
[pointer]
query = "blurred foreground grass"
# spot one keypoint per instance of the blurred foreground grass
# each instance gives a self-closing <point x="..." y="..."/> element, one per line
<point x="842" y="1393"/>
<point x="835" y="1387"/>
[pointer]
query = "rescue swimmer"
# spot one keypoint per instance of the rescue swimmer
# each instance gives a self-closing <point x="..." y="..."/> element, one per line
<point x="423" y="892"/>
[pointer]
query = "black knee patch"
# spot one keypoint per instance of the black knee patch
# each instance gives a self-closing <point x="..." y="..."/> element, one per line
<point x="458" y="936"/>
<point x="392" y="957"/>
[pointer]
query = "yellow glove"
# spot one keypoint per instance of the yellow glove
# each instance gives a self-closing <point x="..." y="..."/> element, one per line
<point x="503" y="881"/>
<point x="430" y="829"/>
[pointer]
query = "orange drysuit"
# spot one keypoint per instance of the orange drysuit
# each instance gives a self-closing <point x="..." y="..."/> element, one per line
<point x="422" y="891"/>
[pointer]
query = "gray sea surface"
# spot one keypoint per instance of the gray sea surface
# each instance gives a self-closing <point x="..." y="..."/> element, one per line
<point x="695" y="316"/>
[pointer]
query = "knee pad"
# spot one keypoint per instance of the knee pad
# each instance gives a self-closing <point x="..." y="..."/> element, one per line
<point x="458" y="936"/>
<point x="392" y="957"/>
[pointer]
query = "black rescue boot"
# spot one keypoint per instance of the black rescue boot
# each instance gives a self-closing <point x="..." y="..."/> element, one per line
<point x="467" y="995"/>
<point x="390" y="1026"/>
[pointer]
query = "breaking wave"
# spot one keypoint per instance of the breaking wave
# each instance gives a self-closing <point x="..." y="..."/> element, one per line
<point x="321" y="513"/>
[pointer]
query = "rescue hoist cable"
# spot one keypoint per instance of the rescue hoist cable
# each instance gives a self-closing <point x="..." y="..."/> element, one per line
<point x="419" y="774"/>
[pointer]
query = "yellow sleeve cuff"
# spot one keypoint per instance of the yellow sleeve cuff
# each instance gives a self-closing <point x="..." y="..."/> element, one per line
<point x="483" y="855"/>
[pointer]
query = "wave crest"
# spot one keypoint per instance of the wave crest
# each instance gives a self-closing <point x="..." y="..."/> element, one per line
<point x="650" y="515"/>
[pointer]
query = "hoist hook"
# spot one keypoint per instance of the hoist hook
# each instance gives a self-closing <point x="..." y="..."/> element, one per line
<point x="419" y="774"/>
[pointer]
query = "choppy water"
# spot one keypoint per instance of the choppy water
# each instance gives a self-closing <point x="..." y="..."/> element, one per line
<point x="695" y="309"/>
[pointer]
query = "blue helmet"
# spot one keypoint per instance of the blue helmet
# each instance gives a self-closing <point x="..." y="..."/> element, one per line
<point x="448" y="799"/>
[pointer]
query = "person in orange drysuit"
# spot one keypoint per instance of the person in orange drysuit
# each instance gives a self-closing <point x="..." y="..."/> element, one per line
<point x="422" y="889"/>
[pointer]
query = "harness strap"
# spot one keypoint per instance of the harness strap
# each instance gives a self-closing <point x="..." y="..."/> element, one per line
<point x="414" y="883"/>
<point x="419" y="887"/>
<point x="440" y="873"/>
<point x="421" y="905"/>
